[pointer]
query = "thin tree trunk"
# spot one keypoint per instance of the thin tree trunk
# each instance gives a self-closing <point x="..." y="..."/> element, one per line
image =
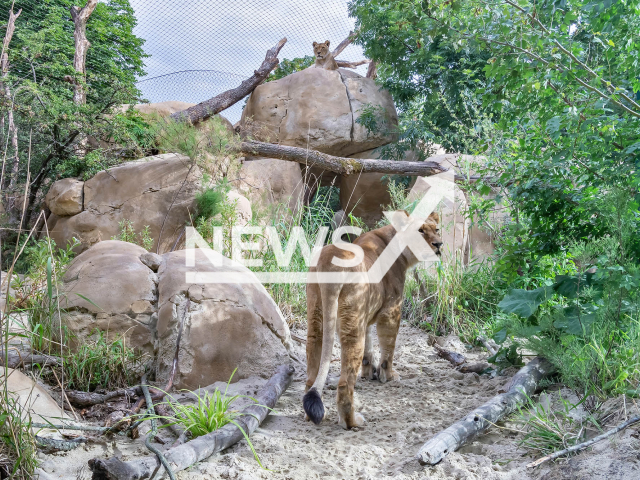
<point x="198" y="449"/>
<point x="518" y="389"/>
<point x="208" y="108"/>
<point x="80" y="17"/>
<point x="343" y="44"/>
<point x="4" y="68"/>
<point x="372" y="70"/>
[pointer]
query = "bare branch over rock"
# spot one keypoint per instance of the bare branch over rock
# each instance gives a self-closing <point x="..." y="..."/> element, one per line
<point x="208" y="108"/>
<point x="342" y="165"/>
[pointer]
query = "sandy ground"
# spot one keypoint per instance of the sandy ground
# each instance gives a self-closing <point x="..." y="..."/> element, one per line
<point x="400" y="416"/>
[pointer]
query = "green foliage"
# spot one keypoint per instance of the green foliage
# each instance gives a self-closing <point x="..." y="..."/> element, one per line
<point x="453" y="298"/>
<point x="287" y="67"/>
<point x="587" y="323"/>
<point x="128" y="234"/>
<point x="98" y="362"/>
<point x="18" y="454"/>
<point x="210" y="201"/>
<point x="546" y="88"/>
<point x="211" y="412"/>
<point x="548" y="428"/>
<point x="433" y="81"/>
<point x="41" y="65"/>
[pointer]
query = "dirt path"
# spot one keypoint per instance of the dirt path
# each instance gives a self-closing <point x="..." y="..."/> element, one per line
<point x="400" y="416"/>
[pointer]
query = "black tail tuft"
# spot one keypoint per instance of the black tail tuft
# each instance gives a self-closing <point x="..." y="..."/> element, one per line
<point x="313" y="407"/>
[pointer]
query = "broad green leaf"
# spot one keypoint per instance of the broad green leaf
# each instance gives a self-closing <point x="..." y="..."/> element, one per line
<point x="524" y="303"/>
<point x="574" y="322"/>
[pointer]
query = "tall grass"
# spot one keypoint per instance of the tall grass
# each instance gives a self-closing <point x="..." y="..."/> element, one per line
<point x="101" y="363"/>
<point x="453" y="298"/>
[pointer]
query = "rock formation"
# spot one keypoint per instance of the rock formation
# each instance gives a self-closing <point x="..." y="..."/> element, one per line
<point x="143" y="297"/>
<point x="157" y="191"/>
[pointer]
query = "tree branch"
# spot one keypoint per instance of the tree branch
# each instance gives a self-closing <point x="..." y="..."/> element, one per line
<point x="208" y="108"/>
<point x="343" y="44"/>
<point x="345" y="64"/>
<point x="586" y="444"/>
<point x="372" y="70"/>
<point x="342" y="165"/>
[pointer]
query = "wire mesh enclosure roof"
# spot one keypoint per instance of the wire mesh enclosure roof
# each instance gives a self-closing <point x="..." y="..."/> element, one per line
<point x="201" y="48"/>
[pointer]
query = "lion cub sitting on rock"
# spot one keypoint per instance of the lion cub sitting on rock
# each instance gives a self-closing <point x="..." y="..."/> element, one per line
<point x="353" y="309"/>
<point x="324" y="57"/>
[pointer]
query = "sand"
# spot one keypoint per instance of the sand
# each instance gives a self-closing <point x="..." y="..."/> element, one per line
<point x="400" y="416"/>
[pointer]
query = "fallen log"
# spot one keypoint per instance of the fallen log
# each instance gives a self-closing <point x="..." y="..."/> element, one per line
<point x="208" y="108"/>
<point x="87" y="399"/>
<point x="342" y="165"/>
<point x="518" y="389"/>
<point x="16" y="359"/>
<point x="586" y="444"/>
<point x="198" y="449"/>
<point x="453" y="358"/>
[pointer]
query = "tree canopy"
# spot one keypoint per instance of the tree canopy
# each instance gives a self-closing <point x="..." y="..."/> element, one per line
<point x="547" y="87"/>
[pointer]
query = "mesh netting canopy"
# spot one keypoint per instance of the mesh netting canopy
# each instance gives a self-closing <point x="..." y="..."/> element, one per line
<point x="201" y="48"/>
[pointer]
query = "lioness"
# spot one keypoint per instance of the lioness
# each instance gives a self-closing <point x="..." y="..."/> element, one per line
<point x="324" y="57"/>
<point x="354" y="308"/>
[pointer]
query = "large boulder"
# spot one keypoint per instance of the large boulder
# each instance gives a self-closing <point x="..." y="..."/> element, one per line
<point x="227" y="325"/>
<point x="157" y="191"/>
<point x="65" y="197"/>
<point x="108" y="288"/>
<point x="32" y="398"/>
<point x="269" y="183"/>
<point x="454" y="224"/>
<point x="319" y="109"/>
<point x="365" y="195"/>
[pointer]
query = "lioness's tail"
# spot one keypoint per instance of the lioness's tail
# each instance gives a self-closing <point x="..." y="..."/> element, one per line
<point x="312" y="400"/>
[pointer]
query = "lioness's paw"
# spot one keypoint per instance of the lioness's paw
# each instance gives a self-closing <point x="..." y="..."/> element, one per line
<point x="358" y="419"/>
<point x="369" y="371"/>
<point x="388" y="375"/>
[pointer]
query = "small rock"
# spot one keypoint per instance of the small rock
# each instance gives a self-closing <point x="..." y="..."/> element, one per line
<point x="151" y="260"/>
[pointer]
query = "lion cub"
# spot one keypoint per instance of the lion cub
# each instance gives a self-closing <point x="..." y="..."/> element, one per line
<point x="324" y="57"/>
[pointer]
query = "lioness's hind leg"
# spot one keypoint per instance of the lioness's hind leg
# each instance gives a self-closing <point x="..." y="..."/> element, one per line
<point x="314" y="334"/>
<point x="369" y="364"/>
<point x="352" y="337"/>
<point x="388" y="325"/>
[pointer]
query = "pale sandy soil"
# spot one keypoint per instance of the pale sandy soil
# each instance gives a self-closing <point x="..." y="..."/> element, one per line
<point x="400" y="416"/>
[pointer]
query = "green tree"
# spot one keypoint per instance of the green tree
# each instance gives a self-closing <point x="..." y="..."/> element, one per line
<point x="40" y="80"/>
<point x="435" y="84"/>
<point x="560" y="78"/>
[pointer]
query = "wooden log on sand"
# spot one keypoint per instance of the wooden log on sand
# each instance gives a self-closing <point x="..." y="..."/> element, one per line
<point x="198" y="449"/>
<point x="518" y="389"/>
